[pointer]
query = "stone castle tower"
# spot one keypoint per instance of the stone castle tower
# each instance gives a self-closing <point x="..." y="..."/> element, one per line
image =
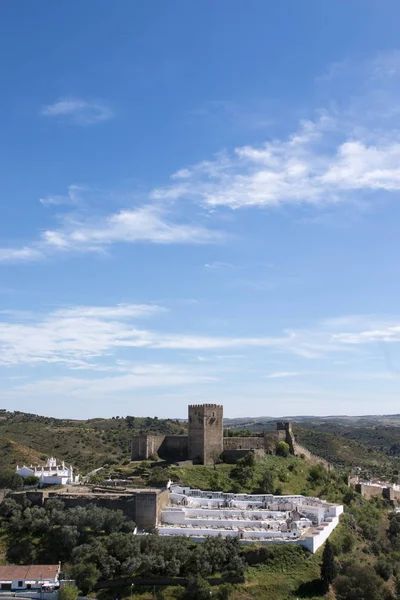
<point x="206" y="432"/>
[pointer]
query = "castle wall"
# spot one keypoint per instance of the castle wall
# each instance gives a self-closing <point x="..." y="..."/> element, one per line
<point x="144" y="446"/>
<point x="243" y="443"/>
<point x="174" y="447"/>
<point x="141" y="506"/>
<point x="231" y="456"/>
<point x="271" y="438"/>
<point x="392" y="495"/>
<point x="299" y="450"/>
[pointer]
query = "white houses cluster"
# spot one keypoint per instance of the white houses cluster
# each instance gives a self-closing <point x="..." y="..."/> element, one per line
<point x="51" y="474"/>
<point x="260" y="518"/>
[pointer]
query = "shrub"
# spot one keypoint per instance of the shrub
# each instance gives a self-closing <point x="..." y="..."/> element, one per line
<point x="31" y="480"/>
<point x="11" y="480"/>
<point x="282" y="449"/>
<point x="68" y="592"/>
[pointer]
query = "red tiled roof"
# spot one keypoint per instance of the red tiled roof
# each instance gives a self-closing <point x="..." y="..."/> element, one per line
<point x="28" y="572"/>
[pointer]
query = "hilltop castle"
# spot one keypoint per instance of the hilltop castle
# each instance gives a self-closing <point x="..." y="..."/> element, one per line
<point x="205" y="441"/>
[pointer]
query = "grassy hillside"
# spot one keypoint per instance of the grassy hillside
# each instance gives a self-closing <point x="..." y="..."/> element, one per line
<point x="360" y="441"/>
<point x="26" y="438"/>
<point x="373" y="449"/>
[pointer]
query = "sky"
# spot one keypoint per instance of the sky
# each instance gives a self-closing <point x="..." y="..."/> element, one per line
<point x="200" y="203"/>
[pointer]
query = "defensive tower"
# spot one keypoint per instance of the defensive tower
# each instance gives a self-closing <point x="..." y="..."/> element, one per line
<point x="206" y="432"/>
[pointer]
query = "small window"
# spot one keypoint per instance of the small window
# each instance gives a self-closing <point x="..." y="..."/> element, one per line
<point x="20" y="583"/>
<point x="28" y="586"/>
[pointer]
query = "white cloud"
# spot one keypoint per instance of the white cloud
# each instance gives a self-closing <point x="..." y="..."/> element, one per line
<point x="284" y="374"/>
<point x="219" y="266"/>
<point x="144" y="376"/>
<point x="319" y="164"/>
<point x="74" y="336"/>
<point x="120" y="311"/>
<point x="79" y="111"/>
<point x="148" y="223"/>
<point x="72" y="197"/>
<point x="20" y="254"/>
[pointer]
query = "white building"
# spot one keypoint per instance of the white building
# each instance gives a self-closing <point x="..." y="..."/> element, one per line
<point x="51" y="474"/>
<point x="263" y="518"/>
<point x="28" y="577"/>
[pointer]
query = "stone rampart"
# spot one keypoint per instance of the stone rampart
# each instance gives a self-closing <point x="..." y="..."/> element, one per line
<point x="232" y="456"/>
<point x="243" y="443"/>
<point x="369" y="491"/>
<point x="392" y="495"/>
<point x="271" y="438"/>
<point x="299" y="450"/>
<point x="141" y="506"/>
<point x="144" y="446"/>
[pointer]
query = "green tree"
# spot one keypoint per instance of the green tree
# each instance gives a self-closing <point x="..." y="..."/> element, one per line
<point x="31" y="480"/>
<point x="328" y="566"/>
<point x="225" y="591"/>
<point x="249" y="460"/>
<point x="198" y="588"/>
<point x="68" y="592"/>
<point x="159" y="476"/>
<point x="86" y="576"/>
<point x="360" y="583"/>
<point x="267" y="483"/>
<point x="10" y="480"/>
<point x="317" y="474"/>
<point x="282" y="449"/>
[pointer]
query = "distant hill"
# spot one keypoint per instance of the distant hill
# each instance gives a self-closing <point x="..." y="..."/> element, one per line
<point x="27" y="438"/>
<point x="370" y="441"/>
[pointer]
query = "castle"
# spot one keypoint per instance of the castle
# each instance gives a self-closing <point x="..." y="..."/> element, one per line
<point x="205" y="442"/>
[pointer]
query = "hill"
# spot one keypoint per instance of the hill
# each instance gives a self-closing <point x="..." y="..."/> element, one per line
<point x="29" y="438"/>
<point x="372" y="443"/>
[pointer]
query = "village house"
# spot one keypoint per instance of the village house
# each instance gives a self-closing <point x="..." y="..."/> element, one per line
<point x="16" y="578"/>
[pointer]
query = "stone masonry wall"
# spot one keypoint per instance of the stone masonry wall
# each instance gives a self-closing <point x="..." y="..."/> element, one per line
<point x="369" y="491"/>
<point x="174" y="447"/>
<point x="271" y="438"/>
<point x="205" y="432"/>
<point x="141" y="506"/>
<point x="243" y="443"/>
<point x="232" y="456"/>
<point x="144" y="446"/>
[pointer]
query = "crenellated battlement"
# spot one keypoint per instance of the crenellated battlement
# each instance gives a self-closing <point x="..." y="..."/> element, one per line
<point x="216" y="406"/>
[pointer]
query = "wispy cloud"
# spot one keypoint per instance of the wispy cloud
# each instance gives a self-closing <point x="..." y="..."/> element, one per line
<point x="294" y="171"/>
<point x="82" y="233"/>
<point x="218" y="266"/>
<point x="24" y="254"/>
<point x="79" y="111"/>
<point x="285" y="374"/>
<point x="76" y="335"/>
<point x="337" y="155"/>
<point x="72" y="197"/>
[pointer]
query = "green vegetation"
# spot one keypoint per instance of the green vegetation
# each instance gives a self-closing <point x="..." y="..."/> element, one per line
<point x="27" y="438"/>
<point x="345" y="452"/>
<point x="282" y="449"/>
<point x="291" y="475"/>
<point x="10" y="480"/>
<point x="68" y="592"/>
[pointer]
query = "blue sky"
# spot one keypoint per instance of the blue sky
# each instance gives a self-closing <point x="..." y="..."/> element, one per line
<point x="199" y="203"/>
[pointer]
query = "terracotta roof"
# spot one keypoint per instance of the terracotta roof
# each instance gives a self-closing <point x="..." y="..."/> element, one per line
<point x="28" y="572"/>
